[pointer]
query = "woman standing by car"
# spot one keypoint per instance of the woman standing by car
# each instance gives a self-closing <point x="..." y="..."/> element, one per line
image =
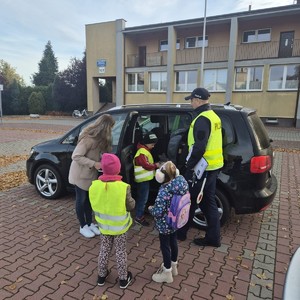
<point x="93" y="141"/>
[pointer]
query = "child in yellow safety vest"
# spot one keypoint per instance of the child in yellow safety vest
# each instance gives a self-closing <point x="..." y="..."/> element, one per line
<point x="111" y="202"/>
<point x="144" y="170"/>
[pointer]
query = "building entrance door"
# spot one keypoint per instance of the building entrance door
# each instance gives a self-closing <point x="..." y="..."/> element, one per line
<point x="286" y="44"/>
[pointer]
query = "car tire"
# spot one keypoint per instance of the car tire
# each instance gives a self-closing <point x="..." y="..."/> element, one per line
<point x="48" y="182"/>
<point x="224" y="208"/>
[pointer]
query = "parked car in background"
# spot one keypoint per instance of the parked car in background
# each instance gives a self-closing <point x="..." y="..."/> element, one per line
<point x="245" y="183"/>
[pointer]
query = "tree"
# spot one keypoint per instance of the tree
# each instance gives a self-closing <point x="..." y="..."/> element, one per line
<point x="48" y="68"/>
<point x="13" y="85"/>
<point x="15" y="98"/>
<point x="36" y="103"/>
<point x="70" y="88"/>
<point x="8" y="74"/>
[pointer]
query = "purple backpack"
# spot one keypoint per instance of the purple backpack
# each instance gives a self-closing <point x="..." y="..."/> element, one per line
<point x="178" y="214"/>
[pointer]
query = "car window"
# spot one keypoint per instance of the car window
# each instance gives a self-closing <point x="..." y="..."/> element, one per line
<point x="70" y="139"/>
<point x="259" y="131"/>
<point x="147" y="122"/>
<point x="179" y="121"/>
<point x="227" y="130"/>
<point x="116" y="131"/>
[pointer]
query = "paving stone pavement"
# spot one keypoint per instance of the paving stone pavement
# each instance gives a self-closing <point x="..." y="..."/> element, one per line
<point x="43" y="256"/>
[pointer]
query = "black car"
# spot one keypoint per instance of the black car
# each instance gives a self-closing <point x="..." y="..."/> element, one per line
<point x="245" y="183"/>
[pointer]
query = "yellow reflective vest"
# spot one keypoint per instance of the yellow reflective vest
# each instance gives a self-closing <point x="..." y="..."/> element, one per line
<point x="108" y="201"/>
<point x="213" y="152"/>
<point x="141" y="174"/>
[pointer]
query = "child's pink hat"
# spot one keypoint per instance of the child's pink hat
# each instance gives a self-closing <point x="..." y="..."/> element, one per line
<point x="111" y="167"/>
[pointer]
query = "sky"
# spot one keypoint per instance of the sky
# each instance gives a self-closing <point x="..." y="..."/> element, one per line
<point x="27" y="25"/>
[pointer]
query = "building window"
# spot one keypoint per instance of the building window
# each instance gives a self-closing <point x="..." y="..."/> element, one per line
<point x="196" y="42"/>
<point x="215" y="80"/>
<point x="164" y="45"/>
<point x="259" y="35"/>
<point x="249" y="78"/>
<point x="186" y="81"/>
<point x="158" y="81"/>
<point x="135" y="82"/>
<point x="284" y="77"/>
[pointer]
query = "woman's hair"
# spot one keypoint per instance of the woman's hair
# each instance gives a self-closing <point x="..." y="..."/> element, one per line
<point x="169" y="169"/>
<point x="100" y="131"/>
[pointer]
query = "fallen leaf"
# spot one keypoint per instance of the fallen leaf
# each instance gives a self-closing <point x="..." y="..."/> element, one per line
<point x="261" y="276"/>
<point x="19" y="279"/>
<point x="269" y="286"/>
<point x="229" y="297"/>
<point x="12" y="286"/>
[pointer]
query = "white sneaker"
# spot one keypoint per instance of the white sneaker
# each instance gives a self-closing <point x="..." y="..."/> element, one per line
<point x="163" y="275"/>
<point x="86" y="232"/>
<point x="174" y="268"/>
<point x="94" y="228"/>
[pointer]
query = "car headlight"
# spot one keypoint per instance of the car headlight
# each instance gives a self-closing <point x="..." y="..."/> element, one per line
<point x="32" y="150"/>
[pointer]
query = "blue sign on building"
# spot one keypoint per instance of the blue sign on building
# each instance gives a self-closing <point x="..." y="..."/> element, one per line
<point x="101" y="63"/>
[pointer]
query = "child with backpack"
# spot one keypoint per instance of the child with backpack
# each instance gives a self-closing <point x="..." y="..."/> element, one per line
<point x="169" y="214"/>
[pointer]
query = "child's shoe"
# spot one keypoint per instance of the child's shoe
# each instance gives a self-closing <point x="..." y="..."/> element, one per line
<point x="94" y="228"/>
<point x="86" y="232"/>
<point x="163" y="275"/>
<point x="142" y="221"/>
<point x="174" y="268"/>
<point x="125" y="282"/>
<point x="101" y="280"/>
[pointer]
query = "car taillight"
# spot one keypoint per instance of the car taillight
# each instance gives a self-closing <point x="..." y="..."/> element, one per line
<point x="260" y="164"/>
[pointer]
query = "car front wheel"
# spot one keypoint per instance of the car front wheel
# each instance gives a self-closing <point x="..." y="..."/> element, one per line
<point x="48" y="182"/>
<point x="223" y="208"/>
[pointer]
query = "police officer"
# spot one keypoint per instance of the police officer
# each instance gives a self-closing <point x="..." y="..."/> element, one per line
<point x="204" y="140"/>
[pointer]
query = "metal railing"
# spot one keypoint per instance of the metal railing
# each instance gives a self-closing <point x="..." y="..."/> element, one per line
<point x="213" y="54"/>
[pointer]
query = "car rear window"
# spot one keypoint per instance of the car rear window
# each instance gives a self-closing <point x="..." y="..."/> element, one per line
<point x="259" y="131"/>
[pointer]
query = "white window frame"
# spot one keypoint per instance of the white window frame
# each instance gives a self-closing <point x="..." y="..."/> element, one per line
<point x="160" y="82"/>
<point x="187" y="86"/>
<point x="284" y="79"/>
<point x="215" y="80"/>
<point x="165" y="45"/>
<point x="197" y="40"/>
<point x="256" y="36"/>
<point x="247" y="88"/>
<point x="136" y="85"/>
